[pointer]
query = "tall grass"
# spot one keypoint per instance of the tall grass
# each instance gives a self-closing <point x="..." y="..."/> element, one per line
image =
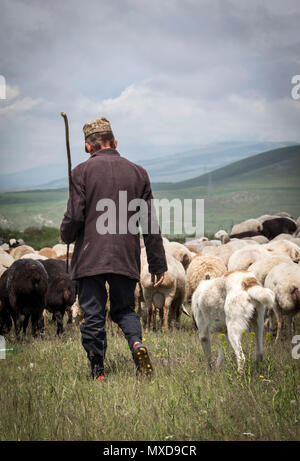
<point x="46" y="392"/>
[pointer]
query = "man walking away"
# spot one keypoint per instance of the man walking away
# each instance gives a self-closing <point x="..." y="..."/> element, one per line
<point x="109" y="254"/>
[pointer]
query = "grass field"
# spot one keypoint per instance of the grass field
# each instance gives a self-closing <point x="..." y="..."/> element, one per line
<point x="46" y="393"/>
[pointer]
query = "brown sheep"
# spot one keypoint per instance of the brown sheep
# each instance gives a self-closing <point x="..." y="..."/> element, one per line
<point x="48" y="252"/>
<point x="202" y="268"/>
<point x="20" y="251"/>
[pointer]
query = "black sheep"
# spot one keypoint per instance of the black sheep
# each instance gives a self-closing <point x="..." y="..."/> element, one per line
<point x="5" y="318"/>
<point x="61" y="292"/>
<point x="276" y="226"/>
<point x="26" y="285"/>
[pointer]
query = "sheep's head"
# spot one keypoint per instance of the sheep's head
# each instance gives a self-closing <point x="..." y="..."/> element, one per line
<point x="220" y="233"/>
<point x="295" y="255"/>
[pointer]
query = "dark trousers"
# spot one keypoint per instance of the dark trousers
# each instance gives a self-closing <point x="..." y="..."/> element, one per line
<point x="92" y="296"/>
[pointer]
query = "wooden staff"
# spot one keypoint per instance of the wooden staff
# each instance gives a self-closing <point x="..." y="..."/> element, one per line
<point x="64" y="115"/>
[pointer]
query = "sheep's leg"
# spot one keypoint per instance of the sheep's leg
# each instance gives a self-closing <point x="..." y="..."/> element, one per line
<point x="144" y="315"/>
<point x="161" y="317"/>
<point x="279" y="318"/>
<point x="202" y="326"/>
<point x="16" y="315"/>
<point x="138" y="307"/>
<point x="206" y="346"/>
<point x="290" y="325"/>
<point x="221" y="357"/>
<point x="5" y="322"/>
<point x="268" y="320"/>
<point x="69" y="312"/>
<point x="166" y="317"/>
<point x="177" y="313"/>
<point x="18" y="325"/>
<point x="167" y="313"/>
<point x="154" y="317"/>
<point x="34" y="323"/>
<point x="271" y="324"/>
<point x="234" y="336"/>
<point x="148" y="308"/>
<point x="42" y="321"/>
<point x="59" y="319"/>
<point x="259" y="330"/>
<point x="25" y="323"/>
<point x="109" y="322"/>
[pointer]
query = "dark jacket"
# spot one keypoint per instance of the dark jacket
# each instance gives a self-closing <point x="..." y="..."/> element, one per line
<point x="102" y="176"/>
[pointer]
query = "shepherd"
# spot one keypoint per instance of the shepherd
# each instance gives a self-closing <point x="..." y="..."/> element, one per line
<point x="105" y="255"/>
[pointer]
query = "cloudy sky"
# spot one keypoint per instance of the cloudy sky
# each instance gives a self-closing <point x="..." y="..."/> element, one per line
<point x="169" y="74"/>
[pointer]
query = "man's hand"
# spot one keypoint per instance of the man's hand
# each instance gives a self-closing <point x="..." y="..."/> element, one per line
<point x="159" y="279"/>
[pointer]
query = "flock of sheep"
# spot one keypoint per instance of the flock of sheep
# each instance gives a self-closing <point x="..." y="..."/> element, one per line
<point x="248" y="278"/>
<point x="32" y="282"/>
<point x="233" y="282"/>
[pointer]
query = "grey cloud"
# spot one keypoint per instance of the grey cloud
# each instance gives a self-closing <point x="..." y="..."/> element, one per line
<point x="73" y="55"/>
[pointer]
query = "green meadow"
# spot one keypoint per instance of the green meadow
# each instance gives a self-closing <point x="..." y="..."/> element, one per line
<point x="46" y="392"/>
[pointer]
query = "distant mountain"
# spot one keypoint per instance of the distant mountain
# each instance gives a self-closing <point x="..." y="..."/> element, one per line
<point x="186" y="165"/>
<point x="168" y="168"/>
<point x="32" y="177"/>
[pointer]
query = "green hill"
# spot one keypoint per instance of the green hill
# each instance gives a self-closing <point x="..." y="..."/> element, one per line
<point x="186" y="165"/>
<point x="284" y="157"/>
<point x="263" y="183"/>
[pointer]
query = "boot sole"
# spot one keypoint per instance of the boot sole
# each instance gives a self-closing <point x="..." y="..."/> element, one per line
<point x="144" y="364"/>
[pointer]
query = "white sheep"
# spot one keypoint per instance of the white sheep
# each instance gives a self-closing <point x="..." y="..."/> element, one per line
<point x="261" y="239"/>
<point x="61" y="249"/>
<point x="167" y="297"/>
<point x="224" y="251"/>
<point x="263" y="265"/>
<point x="179" y="252"/>
<point x="284" y="247"/>
<point x="284" y="280"/>
<point x="35" y="256"/>
<point x="21" y="250"/>
<point x="199" y="244"/>
<point x="6" y="260"/>
<point x="244" y="257"/>
<point x="229" y="304"/>
<point x="223" y="236"/>
<point x="5" y="247"/>
<point x="250" y="225"/>
<point x="282" y="237"/>
<point x="261" y="268"/>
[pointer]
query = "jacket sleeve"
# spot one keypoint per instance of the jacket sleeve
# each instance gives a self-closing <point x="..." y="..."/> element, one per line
<point x="151" y="234"/>
<point x="74" y="217"/>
